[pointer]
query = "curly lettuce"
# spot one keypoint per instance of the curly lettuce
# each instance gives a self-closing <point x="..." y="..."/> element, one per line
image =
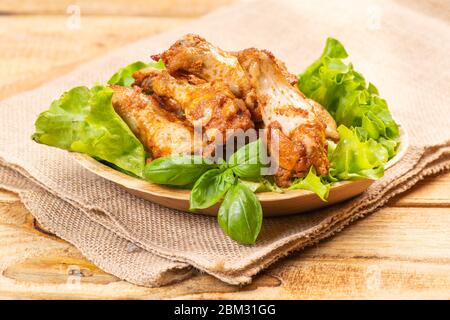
<point x="347" y="96"/>
<point x="369" y="134"/>
<point x="84" y="120"/>
<point x="313" y="183"/>
<point x="353" y="159"/>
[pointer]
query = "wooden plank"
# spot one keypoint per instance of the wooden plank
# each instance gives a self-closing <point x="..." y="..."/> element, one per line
<point x="172" y="8"/>
<point x="430" y="192"/>
<point x="25" y="64"/>
<point x="347" y="279"/>
<point x="7" y="197"/>
<point x="397" y="252"/>
<point x="397" y="234"/>
<point x="54" y="269"/>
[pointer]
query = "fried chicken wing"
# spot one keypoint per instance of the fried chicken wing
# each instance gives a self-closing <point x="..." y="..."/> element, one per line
<point x="210" y="105"/>
<point x="291" y="78"/>
<point x="326" y="118"/>
<point x="295" y="132"/>
<point x="194" y="55"/>
<point x="161" y="132"/>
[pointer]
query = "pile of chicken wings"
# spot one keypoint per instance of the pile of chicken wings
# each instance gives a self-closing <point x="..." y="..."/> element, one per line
<point x="222" y="92"/>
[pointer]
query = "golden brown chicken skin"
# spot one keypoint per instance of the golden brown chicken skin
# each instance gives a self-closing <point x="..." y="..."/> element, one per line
<point x="291" y="78"/>
<point x="295" y="132"/>
<point x="326" y="118"/>
<point x="194" y="55"/>
<point x="161" y="132"/>
<point x="210" y="105"/>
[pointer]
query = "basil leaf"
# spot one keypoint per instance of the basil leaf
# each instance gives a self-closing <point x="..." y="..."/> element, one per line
<point x="124" y="77"/>
<point x="247" y="161"/>
<point x="177" y="170"/>
<point x="312" y="183"/>
<point x="240" y="214"/>
<point x="210" y="188"/>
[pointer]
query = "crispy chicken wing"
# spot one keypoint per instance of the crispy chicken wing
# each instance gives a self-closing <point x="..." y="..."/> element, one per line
<point x="294" y="130"/>
<point x="161" y="132"/>
<point x="210" y="106"/>
<point x="291" y="78"/>
<point x="194" y="55"/>
<point x="326" y="118"/>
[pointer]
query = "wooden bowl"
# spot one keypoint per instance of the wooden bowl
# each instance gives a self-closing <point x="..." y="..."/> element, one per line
<point x="273" y="204"/>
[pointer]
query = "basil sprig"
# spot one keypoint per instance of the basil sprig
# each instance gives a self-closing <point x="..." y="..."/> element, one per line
<point x="213" y="184"/>
<point x="210" y="188"/>
<point x="240" y="213"/>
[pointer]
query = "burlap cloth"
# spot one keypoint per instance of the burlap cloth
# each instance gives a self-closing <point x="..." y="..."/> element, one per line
<point x="403" y="50"/>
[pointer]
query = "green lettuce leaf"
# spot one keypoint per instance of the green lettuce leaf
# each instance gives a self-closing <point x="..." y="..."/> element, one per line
<point x="312" y="183"/>
<point x="264" y="184"/>
<point x="353" y="159"/>
<point x="84" y="120"/>
<point x="350" y="100"/>
<point x="124" y="77"/>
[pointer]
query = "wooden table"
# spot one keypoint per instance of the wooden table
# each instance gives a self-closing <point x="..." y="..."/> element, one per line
<point x="402" y="251"/>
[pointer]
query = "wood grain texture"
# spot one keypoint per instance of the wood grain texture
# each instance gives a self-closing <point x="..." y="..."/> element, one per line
<point x="25" y="65"/>
<point x="431" y="192"/>
<point x="402" y="251"/>
<point x="166" y="8"/>
<point x="380" y="256"/>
